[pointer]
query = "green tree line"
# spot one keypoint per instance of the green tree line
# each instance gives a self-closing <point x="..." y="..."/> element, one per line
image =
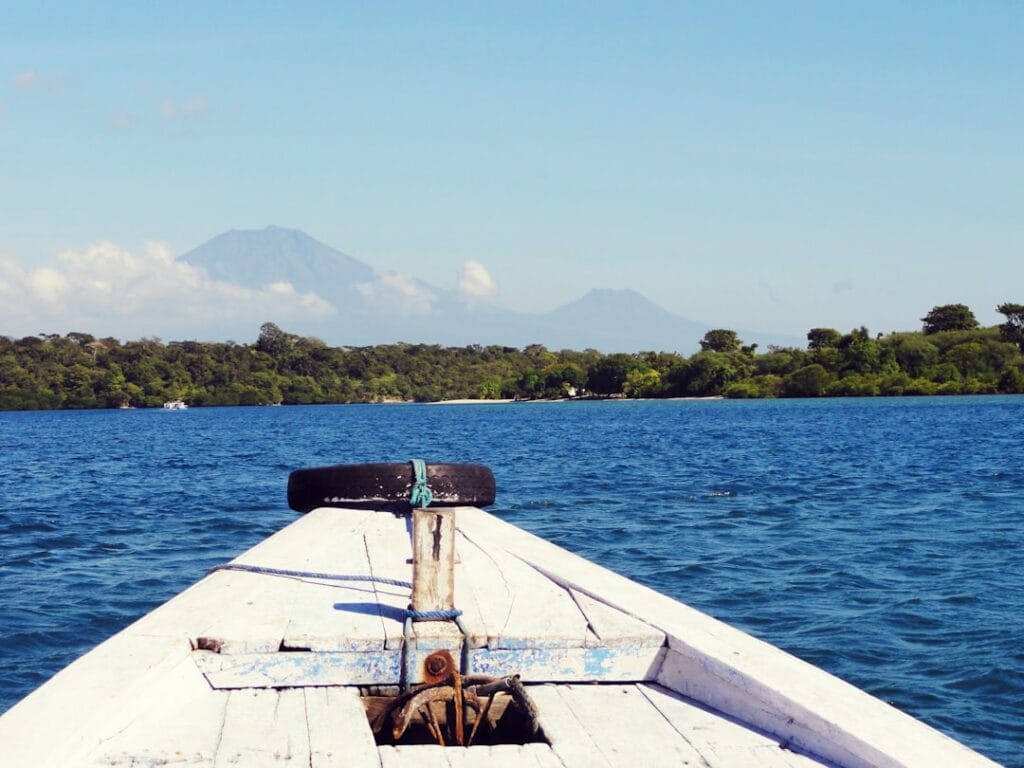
<point x="951" y="354"/>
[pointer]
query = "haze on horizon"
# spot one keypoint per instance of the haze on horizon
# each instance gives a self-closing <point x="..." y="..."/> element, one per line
<point x="773" y="168"/>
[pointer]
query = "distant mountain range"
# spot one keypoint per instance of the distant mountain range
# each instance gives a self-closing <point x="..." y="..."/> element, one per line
<point x="372" y="306"/>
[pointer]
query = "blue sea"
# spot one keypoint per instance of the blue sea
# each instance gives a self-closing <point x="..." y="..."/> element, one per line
<point x="881" y="539"/>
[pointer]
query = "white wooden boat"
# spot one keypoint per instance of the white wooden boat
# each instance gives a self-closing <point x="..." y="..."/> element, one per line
<point x="175" y="405"/>
<point x="253" y="669"/>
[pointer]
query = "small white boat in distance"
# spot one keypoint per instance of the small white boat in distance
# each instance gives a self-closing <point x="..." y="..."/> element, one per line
<point x="175" y="405"/>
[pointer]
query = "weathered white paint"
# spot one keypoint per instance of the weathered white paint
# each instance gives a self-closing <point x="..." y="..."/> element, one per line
<point x="501" y="756"/>
<point x="744" y="677"/>
<point x="616" y="721"/>
<point x="721" y="742"/>
<point x="334" y="616"/>
<point x="622" y="663"/>
<point x="264" y="728"/>
<point x="339" y="736"/>
<point x="521" y="607"/>
<point x="91" y="699"/>
<point x="612" y="627"/>
<point x="179" y="715"/>
<point x="141" y="699"/>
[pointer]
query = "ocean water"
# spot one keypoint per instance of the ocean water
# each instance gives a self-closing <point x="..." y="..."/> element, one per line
<point x="881" y="539"/>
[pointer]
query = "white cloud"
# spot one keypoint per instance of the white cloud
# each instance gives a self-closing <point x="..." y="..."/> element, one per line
<point x="48" y="285"/>
<point x="121" y="120"/>
<point x="30" y="80"/>
<point x="475" y="281"/>
<point x="282" y="288"/>
<point x="26" y="80"/>
<point x="108" y="289"/>
<point x="187" y="111"/>
<point x="399" y="292"/>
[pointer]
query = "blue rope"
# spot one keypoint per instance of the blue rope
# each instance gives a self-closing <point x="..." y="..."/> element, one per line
<point x="307" y="574"/>
<point x="421" y="495"/>
<point x="407" y="672"/>
<point x="432" y="615"/>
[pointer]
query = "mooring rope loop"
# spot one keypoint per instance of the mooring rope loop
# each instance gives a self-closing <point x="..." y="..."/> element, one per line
<point x="421" y="495"/>
<point x="433" y="615"/>
<point x="307" y="574"/>
<point x="455" y="615"/>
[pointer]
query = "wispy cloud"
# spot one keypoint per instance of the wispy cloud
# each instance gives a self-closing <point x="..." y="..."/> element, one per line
<point x="104" y="286"/>
<point x="189" y="110"/>
<point x="26" y="80"/>
<point x="31" y="80"/>
<point x="475" y="282"/>
<point x="121" y="120"/>
<point x="399" y="292"/>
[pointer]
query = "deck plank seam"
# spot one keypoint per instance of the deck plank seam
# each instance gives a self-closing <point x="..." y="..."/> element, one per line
<point x="220" y="731"/>
<point x="504" y="582"/>
<point x="309" y="732"/>
<point x="672" y="725"/>
<point x="583" y="726"/>
<point x="590" y="624"/>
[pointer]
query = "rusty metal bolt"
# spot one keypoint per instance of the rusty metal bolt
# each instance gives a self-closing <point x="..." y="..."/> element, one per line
<point x="438" y="666"/>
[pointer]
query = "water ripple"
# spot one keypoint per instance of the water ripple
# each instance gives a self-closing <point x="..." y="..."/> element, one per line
<point x="879" y="539"/>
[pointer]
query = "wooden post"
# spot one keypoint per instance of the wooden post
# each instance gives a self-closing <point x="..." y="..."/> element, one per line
<point x="433" y="564"/>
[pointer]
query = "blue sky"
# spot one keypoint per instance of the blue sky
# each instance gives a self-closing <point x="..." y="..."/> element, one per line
<point x="765" y="166"/>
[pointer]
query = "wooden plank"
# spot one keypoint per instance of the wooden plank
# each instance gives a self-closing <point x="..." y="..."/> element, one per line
<point x="733" y="672"/>
<point x="571" y="741"/>
<point x="521" y="607"/>
<point x="264" y="728"/>
<point x="703" y="727"/>
<point x="337" y="616"/>
<point x="276" y="670"/>
<point x="179" y="720"/>
<point x="623" y="663"/>
<point x="292" y="670"/>
<point x="625" y="727"/>
<point x="613" y="627"/>
<point x="420" y="756"/>
<point x="721" y="741"/>
<point x="503" y="756"/>
<point x="498" y="756"/>
<point x="389" y="549"/>
<point x="248" y="612"/>
<point x="541" y="755"/>
<point x="91" y="699"/>
<point x="339" y="733"/>
<point x="433" y="559"/>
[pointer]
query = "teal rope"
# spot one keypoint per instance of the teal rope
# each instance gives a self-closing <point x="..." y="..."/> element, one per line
<point x="421" y="495"/>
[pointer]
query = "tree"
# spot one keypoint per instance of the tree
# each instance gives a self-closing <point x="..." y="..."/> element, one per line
<point x="642" y="382"/>
<point x="707" y="373"/>
<point x="608" y="375"/>
<point x="273" y="340"/>
<point x="1013" y="329"/>
<point x="949" y="317"/>
<point x="823" y="338"/>
<point x="915" y="354"/>
<point x="720" y="340"/>
<point x="810" y="381"/>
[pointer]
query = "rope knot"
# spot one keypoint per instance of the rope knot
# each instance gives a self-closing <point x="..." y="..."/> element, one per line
<point x="421" y="495"/>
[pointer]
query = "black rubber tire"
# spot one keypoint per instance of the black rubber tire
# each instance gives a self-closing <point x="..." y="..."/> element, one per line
<point x="382" y="485"/>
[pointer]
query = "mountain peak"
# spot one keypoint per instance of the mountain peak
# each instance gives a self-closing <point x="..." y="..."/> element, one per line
<point x="257" y="257"/>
